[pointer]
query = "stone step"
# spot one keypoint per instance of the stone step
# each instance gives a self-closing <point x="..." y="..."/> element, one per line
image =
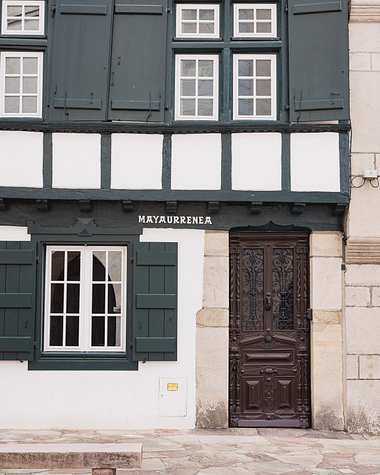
<point x="103" y="459"/>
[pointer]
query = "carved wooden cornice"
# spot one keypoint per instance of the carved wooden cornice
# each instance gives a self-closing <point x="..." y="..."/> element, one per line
<point x="366" y="11"/>
<point x="363" y="250"/>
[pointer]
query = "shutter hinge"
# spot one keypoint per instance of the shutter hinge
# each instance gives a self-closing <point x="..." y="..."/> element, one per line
<point x="309" y="314"/>
<point x="47" y="103"/>
<point x="131" y="261"/>
<point x="38" y="259"/>
<point x="168" y="10"/>
<point x="53" y="11"/>
<point x="286" y="8"/>
<point x="36" y="344"/>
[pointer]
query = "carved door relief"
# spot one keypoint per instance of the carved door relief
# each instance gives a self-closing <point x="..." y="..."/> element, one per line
<point x="269" y="330"/>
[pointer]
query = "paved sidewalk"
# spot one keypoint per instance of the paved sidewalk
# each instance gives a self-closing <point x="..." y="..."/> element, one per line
<point x="225" y="452"/>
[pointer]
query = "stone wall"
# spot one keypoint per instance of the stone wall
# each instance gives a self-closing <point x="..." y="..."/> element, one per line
<point x="212" y="335"/>
<point x="362" y="277"/>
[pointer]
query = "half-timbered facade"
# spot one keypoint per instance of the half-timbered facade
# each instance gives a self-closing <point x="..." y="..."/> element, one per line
<point x="174" y="177"/>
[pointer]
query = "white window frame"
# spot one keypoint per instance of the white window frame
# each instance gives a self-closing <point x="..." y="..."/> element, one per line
<point x="215" y="96"/>
<point x="273" y="96"/>
<point x="23" y="4"/>
<point x="85" y="301"/>
<point x="197" y="8"/>
<point x="21" y="54"/>
<point x="255" y="6"/>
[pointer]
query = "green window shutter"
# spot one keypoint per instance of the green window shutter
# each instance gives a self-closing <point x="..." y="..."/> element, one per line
<point x="17" y="299"/>
<point x="80" y="66"/>
<point x="138" y="66"/>
<point x="318" y="60"/>
<point x="155" y="302"/>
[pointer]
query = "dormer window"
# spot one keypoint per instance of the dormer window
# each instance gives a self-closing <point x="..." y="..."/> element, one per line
<point x="22" y="18"/>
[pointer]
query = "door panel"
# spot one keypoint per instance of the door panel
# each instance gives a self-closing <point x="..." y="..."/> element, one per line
<point x="269" y="330"/>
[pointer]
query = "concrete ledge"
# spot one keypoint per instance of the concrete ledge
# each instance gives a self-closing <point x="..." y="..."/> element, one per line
<point x="94" y="456"/>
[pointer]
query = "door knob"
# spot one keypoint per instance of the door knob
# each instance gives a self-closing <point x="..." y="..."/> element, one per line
<point x="268" y="301"/>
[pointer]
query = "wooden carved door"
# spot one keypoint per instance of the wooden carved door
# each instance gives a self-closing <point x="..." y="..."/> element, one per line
<point x="269" y="330"/>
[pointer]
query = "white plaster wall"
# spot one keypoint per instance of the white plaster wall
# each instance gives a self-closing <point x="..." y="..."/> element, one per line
<point x="112" y="399"/>
<point x="314" y="162"/>
<point x="14" y="233"/>
<point x="136" y="161"/>
<point x="21" y="156"/>
<point x="196" y="162"/>
<point x="256" y="161"/>
<point x="76" y="160"/>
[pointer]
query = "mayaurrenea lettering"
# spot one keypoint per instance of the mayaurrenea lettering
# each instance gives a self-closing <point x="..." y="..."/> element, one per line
<point x="162" y="219"/>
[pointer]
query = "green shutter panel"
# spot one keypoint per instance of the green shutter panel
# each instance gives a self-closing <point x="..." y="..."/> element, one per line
<point x="318" y="60"/>
<point x="80" y="66"/>
<point x="138" y="66"/>
<point x="17" y="299"/>
<point x="155" y="302"/>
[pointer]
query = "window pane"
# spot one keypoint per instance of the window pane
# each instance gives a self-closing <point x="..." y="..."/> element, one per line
<point x="245" y="87"/>
<point x="245" y="106"/>
<point x="187" y="87"/>
<point x="263" y="67"/>
<point x="30" y="65"/>
<point x="12" y="84"/>
<point x="56" y="331"/>
<point x="205" y="87"/>
<point x="189" y="27"/>
<point x="98" y="298"/>
<point x="246" y="14"/>
<point x="57" y="265"/>
<point x="12" y="105"/>
<point x="114" y="266"/>
<point x="189" y="14"/>
<point x="246" y="27"/>
<point x="206" y="68"/>
<point x="263" y="107"/>
<point x="114" y="298"/>
<point x="29" y="104"/>
<point x="12" y="66"/>
<point x="205" y="107"/>
<point x="206" y="28"/>
<point x="14" y="25"/>
<point x="245" y="67"/>
<point x="187" y="67"/>
<point x="56" y="298"/>
<point x="31" y="25"/>
<point x="15" y="10"/>
<point x="263" y="14"/>
<point x="263" y="27"/>
<point x="113" y="331"/>
<point x="263" y="87"/>
<point x="72" y="303"/>
<point x="187" y="107"/>
<point x="99" y="263"/>
<point x="97" y="331"/>
<point x="73" y="270"/>
<point x="32" y="11"/>
<point x="206" y="14"/>
<point x="29" y="85"/>
<point x="72" y="331"/>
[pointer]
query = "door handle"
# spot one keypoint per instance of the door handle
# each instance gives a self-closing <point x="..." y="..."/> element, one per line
<point x="268" y="301"/>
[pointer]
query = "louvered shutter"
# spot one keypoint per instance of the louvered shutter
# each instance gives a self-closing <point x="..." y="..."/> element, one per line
<point x="81" y="53"/>
<point x="318" y="60"/>
<point x="17" y="299"/>
<point x="138" y="67"/>
<point x="155" y="302"/>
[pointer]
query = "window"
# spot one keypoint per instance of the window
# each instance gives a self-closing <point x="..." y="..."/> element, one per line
<point x="22" y="17"/>
<point x="21" y="84"/>
<point x="85" y="306"/>
<point x="257" y="20"/>
<point x="197" y="21"/>
<point x="254" y="86"/>
<point x="197" y="87"/>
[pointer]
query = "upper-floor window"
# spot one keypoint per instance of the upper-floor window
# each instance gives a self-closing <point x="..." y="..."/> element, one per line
<point x="255" y="20"/>
<point x="21" y="84"/>
<point x="22" y="17"/>
<point x="197" y="21"/>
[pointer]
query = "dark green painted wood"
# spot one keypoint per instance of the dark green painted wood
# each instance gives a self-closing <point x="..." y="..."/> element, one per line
<point x="83" y="9"/>
<point x="16" y="257"/>
<point x="226" y="178"/>
<point x="19" y="300"/>
<point x="70" y="362"/>
<point x="155" y="302"/>
<point x="285" y="162"/>
<point x="105" y="160"/>
<point x="157" y="258"/>
<point x="15" y="344"/>
<point x="80" y="69"/>
<point x="156" y="344"/>
<point x="166" y="162"/>
<point x="48" y="160"/>
<point x="138" y="64"/>
<point x="318" y="60"/>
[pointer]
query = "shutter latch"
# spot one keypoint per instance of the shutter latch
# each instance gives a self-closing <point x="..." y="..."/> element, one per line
<point x="36" y="344"/>
<point x="286" y="8"/>
<point x="53" y="11"/>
